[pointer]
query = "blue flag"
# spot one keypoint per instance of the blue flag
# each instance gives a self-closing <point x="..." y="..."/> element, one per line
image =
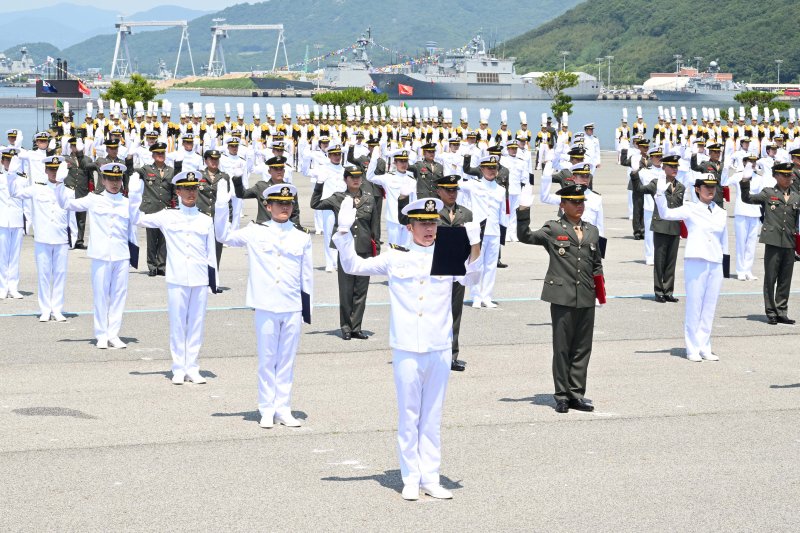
<point x="47" y="88"/>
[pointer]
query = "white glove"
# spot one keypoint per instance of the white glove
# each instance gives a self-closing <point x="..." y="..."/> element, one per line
<point x="473" y="232"/>
<point x="78" y="145"/>
<point x="526" y="197"/>
<point x="223" y="194"/>
<point x="321" y="177"/>
<point x="135" y="185"/>
<point x="661" y="184"/>
<point x="376" y="152"/>
<point x="407" y="187"/>
<point x="748" y="171"/>
<point x="61" y="173"/>
<point x="52" y="144"/>
<point x="18" y="142"/>
<point x="636" y="163"/>
<point x="347" y="215"/>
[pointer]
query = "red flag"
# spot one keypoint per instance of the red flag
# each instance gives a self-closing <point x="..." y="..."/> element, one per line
<point x="600" y="288"/>
<point x="83" y="88"/>
<point x="405" y="90"/>
<point x="684" y="230"/>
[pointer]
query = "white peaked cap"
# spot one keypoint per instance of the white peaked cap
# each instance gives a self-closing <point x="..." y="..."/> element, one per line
<point x="694" y="113"/>
<point x="544" y="119"/>
<point x="639" y="111"/>
<point x="464" y="115"/>
<point x="99" y="105"/>
<point x="90" y="106"/>
<point x="523" y="117"/>
<point x="503" y="116"/>
<point x="624" y="114"/>
<point x="565" y="117"/>
<point x="792" y="114"/>
<point x="672" y="112"/>
<point x="240" y="110"/>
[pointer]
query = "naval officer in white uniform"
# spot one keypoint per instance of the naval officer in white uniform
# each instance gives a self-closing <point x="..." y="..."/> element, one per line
<point x="279" y="288"/>
<point x="12" y="226"/>
<point x="421" y="331"/>
<point x="191" y="270"/>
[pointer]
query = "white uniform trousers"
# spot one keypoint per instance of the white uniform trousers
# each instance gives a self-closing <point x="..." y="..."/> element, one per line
<point x="513" y="204"/>
<point x="10" y="247"/>
<point x="331" y="254"/>
<point x="51" y="263"/>
<point x="649" y="248"/>
<point x="187" y="315"/>
<point x="484" y="290"/>
<point x="397" y="234"/>
<point x="421" y="382"/>
<point x="110" y="289"/>
<point x="746" y="240"/>
<point x="703" y="283"/>
<point x="277" y="337"/>
<point x="318" y="220"/>
<point x="630" y="205"/>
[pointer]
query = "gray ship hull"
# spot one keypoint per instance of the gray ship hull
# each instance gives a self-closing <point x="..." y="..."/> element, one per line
<point x="695" y="95"/>
<point x="423" y="89"/>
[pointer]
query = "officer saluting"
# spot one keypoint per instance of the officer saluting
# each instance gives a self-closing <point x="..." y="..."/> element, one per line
<point x="353" y="289"/>
<point x="574" y="277"/>
<point x="420" y="334"/>
<point x="158" y="195"/>
<point x="781" y="208"/>
<point x="190" y="270"/>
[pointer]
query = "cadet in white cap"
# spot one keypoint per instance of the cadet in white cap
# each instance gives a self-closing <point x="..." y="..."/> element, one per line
<point x="51" y="234"/>
<point x="12" y="226"/>
<point x="191" y="262"/>
<point x="279" y="288"/>
<point x="420" y="325"/>
<point x="109" y="216"/>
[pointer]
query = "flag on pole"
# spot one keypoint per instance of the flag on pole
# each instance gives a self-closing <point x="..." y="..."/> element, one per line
<point x="83" y="88"/>
<point x="47" y="88"/>
<point x="405" y="90"/>
<point x="58" y="104"/>
<point x="50" y="60"/>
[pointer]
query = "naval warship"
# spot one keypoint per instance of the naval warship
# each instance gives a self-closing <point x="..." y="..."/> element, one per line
<point x="472" y="73"/>
<point x="351" y="73"/>
<point x="708" y="86"/>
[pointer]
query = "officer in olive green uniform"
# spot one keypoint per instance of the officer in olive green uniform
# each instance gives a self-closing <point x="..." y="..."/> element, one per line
<point x="207" y="190"/>
<point x="112" y="149"/>
<point x="569" y="285"/>
<point x="78" y="180"/>
<point x="276" y="166"/>
<point x="158" y="194"/>
<point x="453" y="215"/>
<point x="781" y="207"/>
<point x="711" y="166"/>
<point x="666" y="233"/>
<point x="352" y="289"/>
<point x="427" y="172"/>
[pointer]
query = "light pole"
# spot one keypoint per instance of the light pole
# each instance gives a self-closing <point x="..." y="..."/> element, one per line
<point x="778" y="62"/>
<point x="678" y="58"/>
<point x="564" y="54"/>
<point x="318" y="47"/>
<point x="599" y="64"/>
<point x="698" y="59"/>
<point x="610" y="59"/>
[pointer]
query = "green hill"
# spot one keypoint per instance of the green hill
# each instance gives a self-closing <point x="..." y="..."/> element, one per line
<point x="746" y="37"/>
<point x="405" y="27"/>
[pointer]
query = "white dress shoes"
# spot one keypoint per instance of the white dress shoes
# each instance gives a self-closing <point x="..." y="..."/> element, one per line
<point x="287" y="420"/>
<point x="437" y="491"/>
<point x="102" y="344"/>
<point x="58" y="317"/>
<point x="116" y="344"/>
<point x="693" y="357"/>
<point x="490" y="304"/>
<point x="267" y="421"/>
<point x="476" y="304"/>
<point x="178" y="378"/>
<point x="411" y="492"/>
<point x="44" y="317"/>
<point x="195" y="377"/>
<point x="709" y="357"/>
<point x="14" y="294"/>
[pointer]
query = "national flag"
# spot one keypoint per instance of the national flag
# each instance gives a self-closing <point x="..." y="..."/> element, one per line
<point x="59" y="104"/>
<point x="83" y="88"/>
<point x="50" y="60"/>
<point x="405" y="90"/>
<point x="47" y="88"/>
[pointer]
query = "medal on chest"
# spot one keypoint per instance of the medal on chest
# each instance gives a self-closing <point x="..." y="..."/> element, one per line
<point x="356" y="201"/>
<point x="562" y="251"/>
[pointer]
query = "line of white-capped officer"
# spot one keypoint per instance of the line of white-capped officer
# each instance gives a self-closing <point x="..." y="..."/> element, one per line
<point x="420" y="326"/>
<point x="12" y="227"/>
<point x="279" y="287"/>
<point x="191" y="270"/>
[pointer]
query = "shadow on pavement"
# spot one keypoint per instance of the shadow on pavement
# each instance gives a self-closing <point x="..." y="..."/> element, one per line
<point x="792" y="386"/>
<point x="674" y="352"/>
<point x="255" y="416"/>
<point x="391" y="479"/>
<point x="751" y="318"/>
<point x="536" y="399"/>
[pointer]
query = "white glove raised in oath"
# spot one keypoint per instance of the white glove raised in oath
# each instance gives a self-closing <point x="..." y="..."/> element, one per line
<point x="473" y="232"/>
<point x="347" y="214"/>
<point x="223" y="194"/>
<point x="526" y="197"/>
<point x="636" y="163"/>
<point x="61" y="173"/>
<point x="661" y="185"/>
<point x="748" y="171"/>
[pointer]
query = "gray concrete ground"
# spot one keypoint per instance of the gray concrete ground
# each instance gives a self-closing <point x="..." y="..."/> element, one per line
<point x="100" y="440"/>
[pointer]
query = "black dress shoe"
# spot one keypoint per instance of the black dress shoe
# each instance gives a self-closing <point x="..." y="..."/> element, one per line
<point x="152" y="273"/>
<point x="458" y="366"/>
<point x="161" y="272"/>
<point x="660" y="299"/>
<point x="772" y="321"/>
<point x="579" y="404"/>
<point x="562" y="406"/>
<point x="501" y="265"/>
<point x="346" y="335"/>
<point x="671" y="298"/>
<point x="359" y="335"/>
<point x="785" y="320"/>
<point x="80" y="246"/>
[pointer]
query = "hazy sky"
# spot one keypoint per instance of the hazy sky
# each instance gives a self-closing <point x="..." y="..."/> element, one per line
<point x="140" y="5"/>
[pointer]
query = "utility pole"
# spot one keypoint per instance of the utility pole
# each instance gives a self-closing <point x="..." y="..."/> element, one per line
<point x="318" y="47"/>
<point x="564" y="54"/>
<point x="610" y="59"/>
<point x="778" y="62"/>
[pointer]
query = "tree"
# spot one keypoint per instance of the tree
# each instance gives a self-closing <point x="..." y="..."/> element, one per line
<point x="138" y="89"/>
<point x="761" y="99"/>
<point x="554" y="84"/>
<point x="351" y="96"/>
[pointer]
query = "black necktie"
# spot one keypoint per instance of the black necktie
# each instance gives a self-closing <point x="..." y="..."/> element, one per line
<point x="709" y="208"/>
